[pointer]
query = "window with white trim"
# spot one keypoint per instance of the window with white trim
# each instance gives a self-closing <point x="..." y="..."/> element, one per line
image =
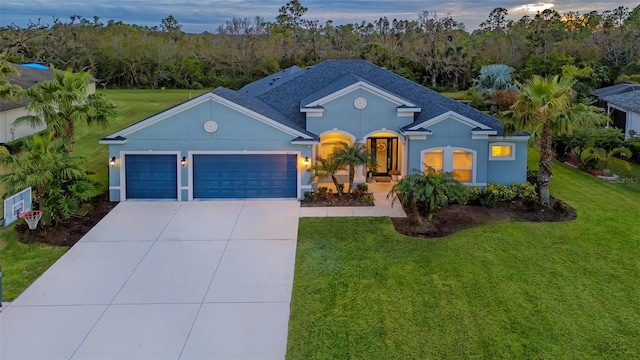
<point x="434" y="159"/>
<point x="502" y="151"/>
<point x="462" y="166"/>
<point x="459" y="162"/>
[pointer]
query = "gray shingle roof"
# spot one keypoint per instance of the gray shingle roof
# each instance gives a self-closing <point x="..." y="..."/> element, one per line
<point x="614" y="90"/>
<point x="627" y="100"/>
<point x="267" y="83"/>
<point x="26" y="78"/>
<point x="254" y="104"/>
<point x="287" y="99"/>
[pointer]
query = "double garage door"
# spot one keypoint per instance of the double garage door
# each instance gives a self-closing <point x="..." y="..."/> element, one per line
<point x="219" y="176"/>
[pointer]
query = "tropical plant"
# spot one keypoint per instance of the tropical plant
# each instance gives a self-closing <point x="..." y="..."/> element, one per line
<point x="58" y="181"/>
<point x="324" y="168"/>
<point x="545" y="107"/>
<point x="352" y="156"/>
<point x="607" y="143"/>
<point x="431" y="189"/>
<point x="65" y="100"/>
<point x="7" y="90"/>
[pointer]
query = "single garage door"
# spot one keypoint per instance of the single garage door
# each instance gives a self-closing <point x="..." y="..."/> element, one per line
<point x="151" y="176"/>
<point x="239" y="176"/>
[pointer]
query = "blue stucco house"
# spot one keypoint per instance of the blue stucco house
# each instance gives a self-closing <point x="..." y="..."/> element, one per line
<point x="259" y="141"/>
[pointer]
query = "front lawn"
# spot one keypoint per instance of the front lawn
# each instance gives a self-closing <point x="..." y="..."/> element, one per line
<point x="22" y="264"/>
<point x="504" y="290"/>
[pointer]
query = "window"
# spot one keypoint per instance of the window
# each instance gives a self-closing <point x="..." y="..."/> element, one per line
<point x="502" y="151"/>
<point x="434" y="159"/>
<point x="459" y="162"/>
<point x="462" y="165"/>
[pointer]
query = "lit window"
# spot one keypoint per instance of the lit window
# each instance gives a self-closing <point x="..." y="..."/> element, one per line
<point x="434" y="159"/>
<point x="462" y="165"/>
<point x="501" y="152"/>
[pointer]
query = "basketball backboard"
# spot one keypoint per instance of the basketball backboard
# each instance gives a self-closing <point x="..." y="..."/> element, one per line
<point x="16" y="204"/>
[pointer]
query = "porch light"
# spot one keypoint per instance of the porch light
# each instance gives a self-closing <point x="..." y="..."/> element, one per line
<point x="112" y="161"/>
<point x="306" y="161"/>
<point x="183" y="161"/>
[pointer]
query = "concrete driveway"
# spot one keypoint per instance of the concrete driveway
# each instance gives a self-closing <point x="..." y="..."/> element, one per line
<point x="164" y="280"/>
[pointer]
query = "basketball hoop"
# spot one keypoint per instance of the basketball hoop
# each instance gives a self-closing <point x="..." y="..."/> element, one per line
<point x="31" y="217"/>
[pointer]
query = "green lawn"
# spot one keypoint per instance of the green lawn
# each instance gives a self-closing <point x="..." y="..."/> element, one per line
<point x="504" y="290"/>
<point x="457" y="95"/>
<point x="21" y="264"/>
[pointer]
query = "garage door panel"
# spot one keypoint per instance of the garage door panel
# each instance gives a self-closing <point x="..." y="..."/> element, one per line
<point x="151" y="176"/>
<point x="244" y="176"/>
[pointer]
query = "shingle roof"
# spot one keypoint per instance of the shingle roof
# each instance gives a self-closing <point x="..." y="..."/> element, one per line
<point x="627" y="100"/>
<point x="26" y="78"/>
<point x="286" y="99"/>
<point x="614" y="90"/>
<point x="267" y="83"/>
<point x="254" y="104"/>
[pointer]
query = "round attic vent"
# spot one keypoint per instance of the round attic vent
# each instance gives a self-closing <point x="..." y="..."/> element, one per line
<point x="210" y="126"/>
<point x="360" y="103"/>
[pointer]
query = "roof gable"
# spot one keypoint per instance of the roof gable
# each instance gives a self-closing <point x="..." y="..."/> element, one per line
<point x="346" y="85"/>
<point x="308" y="86"/>
<point x="219" y="95"/>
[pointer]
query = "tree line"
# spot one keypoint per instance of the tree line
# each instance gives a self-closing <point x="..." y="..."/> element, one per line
<point x="434" y="50"/>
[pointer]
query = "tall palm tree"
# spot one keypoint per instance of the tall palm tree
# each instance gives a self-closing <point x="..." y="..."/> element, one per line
<point x="545" y="107"/>
<point x="352" y="156"/>
<point x="64" y="101"/>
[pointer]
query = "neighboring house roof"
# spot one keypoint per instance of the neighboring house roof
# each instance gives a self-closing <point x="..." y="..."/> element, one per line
<point x="614" y="90"/>
<point x="26" y="78"/>
<point x="627" y="100"/>
<point x="265" y="84"/>
<point x="287" y="99"/>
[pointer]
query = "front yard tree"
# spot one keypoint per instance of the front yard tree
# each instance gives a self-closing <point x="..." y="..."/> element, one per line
<point x="58" y="181"/>
<point x="545" y="106"/>
<point x="64" y="101"/>
<point x="352" y="156"/>
<point x="324" y="168"/>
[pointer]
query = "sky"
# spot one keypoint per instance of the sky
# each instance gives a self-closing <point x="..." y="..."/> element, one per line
<point x="197" y="16"/>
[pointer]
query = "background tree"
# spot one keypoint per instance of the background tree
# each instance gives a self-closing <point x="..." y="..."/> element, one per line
<point x="545" y="107"/>
<point x="65" y="100"/>
<point x="8" y="90"/>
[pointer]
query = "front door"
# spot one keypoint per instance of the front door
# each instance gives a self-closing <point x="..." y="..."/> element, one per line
<point x="385" y="152"/>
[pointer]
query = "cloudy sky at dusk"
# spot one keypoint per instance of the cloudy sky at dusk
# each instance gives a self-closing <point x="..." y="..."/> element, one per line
<point x="205" y="15"/>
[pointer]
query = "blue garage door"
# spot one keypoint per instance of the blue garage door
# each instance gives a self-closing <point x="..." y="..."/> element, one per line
<point x="151" y="176"/>
<point x="244" y="176"/>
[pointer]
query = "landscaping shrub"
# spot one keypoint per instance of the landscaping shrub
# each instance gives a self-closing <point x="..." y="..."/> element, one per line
<point x="308" y="197"/>
<point x="362" y="187"/>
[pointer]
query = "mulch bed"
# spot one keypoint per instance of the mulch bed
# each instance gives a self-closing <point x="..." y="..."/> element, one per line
<point x="453" y="218"/>
<point x="335" y="200"/>
<point x="69" y="232"/>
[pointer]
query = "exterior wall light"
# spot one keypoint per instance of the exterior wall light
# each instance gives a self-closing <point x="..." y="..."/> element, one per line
<point x="183" y="161"/>
<point x="112" y="161"/>
<point x="306" y="162"/>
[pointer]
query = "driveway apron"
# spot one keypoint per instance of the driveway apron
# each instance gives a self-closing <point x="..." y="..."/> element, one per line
<point x="164" y="280"/>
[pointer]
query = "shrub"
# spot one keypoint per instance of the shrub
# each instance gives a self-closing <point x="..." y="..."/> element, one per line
<point x="308" y="197"/>
<point x="363" y="187"/>
<point x="322" y="192"/>
<point x="527" y="190"/>
<point x="367" y="198"/>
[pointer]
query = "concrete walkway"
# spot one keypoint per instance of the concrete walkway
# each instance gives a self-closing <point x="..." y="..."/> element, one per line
<point x="164" y="280"/>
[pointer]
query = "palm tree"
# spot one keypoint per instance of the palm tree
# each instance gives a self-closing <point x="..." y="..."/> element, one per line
<point x="352" y="156"/>
<point x="545" y="107"/>
<point x="43" y="166"/>
<point x="324" y="168"/>
<point x="65" y="100"/>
